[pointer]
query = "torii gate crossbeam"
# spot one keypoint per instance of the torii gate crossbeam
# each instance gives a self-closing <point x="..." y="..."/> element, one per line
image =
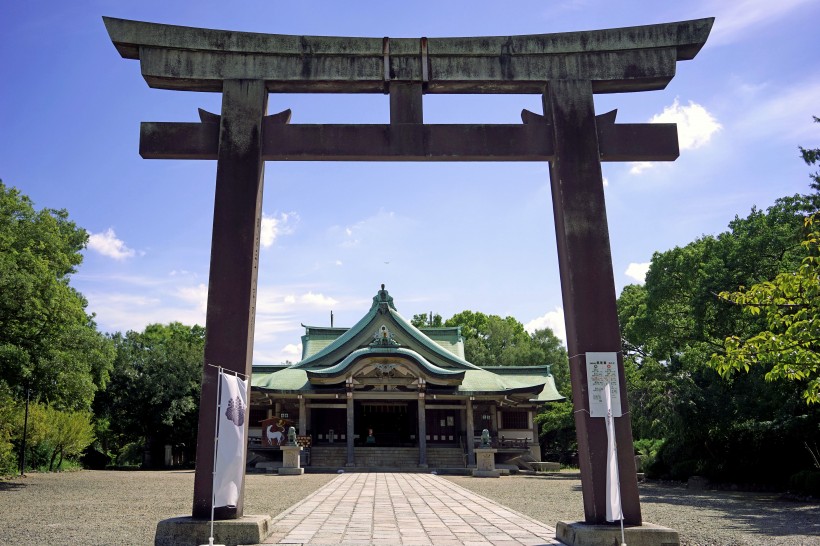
<point x="566" y="69"/>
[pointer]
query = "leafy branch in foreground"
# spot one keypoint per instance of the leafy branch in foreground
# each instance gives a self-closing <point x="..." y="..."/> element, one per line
<point x="790" y="306"/>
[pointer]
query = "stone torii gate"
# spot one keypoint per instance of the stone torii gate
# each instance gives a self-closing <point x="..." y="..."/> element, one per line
<point x="566" y="69"/>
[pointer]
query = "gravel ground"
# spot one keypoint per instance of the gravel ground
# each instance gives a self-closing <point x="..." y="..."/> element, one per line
<point x="106" y="507"/>
<point x="702" y="518"/>
<point x="93" y="507"/>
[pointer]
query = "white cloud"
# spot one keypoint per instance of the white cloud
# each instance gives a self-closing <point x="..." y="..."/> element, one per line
<point x="292" y="349"/>
<point x="107" y="244"/>
<point x="309" y="298"/>
<point x="273" y="227"/>
<point x="379" y="227"/>
<point x="696" y="125"/>
<point x="197" y="295"/>
<point x="317" y="299"/>
<point x="122" y="312"/>
<point x="554" y="320"/>
<point x="637" y="271"/>
<point x="739" y="18"/>
<point x="782" y="113"/>
<point x="606" y="182"/>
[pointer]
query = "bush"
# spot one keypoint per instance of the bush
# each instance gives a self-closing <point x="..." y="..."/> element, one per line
<point x="806" y="482"/>
<point x="647" y="449"/>
<point x="683" y="470"/>
<point x="8" y="417"/>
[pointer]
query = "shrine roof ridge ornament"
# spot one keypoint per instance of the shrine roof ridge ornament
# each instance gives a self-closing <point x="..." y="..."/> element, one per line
<point x="625" y="59"/>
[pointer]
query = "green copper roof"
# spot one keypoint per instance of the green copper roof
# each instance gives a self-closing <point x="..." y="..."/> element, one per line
<point x="331" y="353"/>
<point x="285" y="380"/>
<point x="382" y="313"/>
<point x="342" y="367"/>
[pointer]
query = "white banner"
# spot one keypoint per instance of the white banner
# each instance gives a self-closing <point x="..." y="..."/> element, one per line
<point x="613" y="486"/>
<point x="230" y="467"/>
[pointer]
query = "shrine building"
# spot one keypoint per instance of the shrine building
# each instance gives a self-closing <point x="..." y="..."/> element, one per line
<point x="386" y="394"/>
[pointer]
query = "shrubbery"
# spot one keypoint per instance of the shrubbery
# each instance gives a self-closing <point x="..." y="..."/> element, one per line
<point x="806" y="482"/>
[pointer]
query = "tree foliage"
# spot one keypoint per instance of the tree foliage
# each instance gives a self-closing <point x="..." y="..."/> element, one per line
<point x="789" y="345"/>
<point x="8" y="413"/>
<point x="812" y="156"/>
<point x="427" y="321"/>
<point x="153" y="395"/>
<point x="47" y="341"/>
<point x="490" y="340"/>
<point x="671" y="326"/>
<point x="60" y="434"/>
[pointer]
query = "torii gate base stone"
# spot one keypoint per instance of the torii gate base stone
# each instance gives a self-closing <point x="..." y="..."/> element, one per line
<point x="566" y="69"/>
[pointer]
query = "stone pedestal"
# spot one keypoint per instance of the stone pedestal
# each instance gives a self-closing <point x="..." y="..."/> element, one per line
<point x="578" y="533"/>
<point x="187" y="531"/>
<point x="485" y="463"/>
<point x="290" y="461"/>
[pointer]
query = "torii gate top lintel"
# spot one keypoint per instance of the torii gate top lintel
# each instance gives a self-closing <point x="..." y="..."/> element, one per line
<point x="639" y="58"/>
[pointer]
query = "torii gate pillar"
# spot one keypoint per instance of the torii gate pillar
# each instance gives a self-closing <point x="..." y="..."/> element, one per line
<point x="587" y="286"/>
<point x="234" y="266"/>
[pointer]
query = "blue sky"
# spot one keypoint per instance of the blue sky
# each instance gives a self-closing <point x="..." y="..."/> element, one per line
<point x="442" y="237"/>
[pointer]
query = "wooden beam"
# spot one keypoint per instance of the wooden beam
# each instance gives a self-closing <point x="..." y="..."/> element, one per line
<point x="408" y="142"/>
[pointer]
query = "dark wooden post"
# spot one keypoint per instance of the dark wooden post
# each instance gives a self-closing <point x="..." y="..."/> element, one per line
<point x="234" y="264"/>
<point x="351" y="430"/>
<point x="422" y="411"/>
<point x="588" y="288"/>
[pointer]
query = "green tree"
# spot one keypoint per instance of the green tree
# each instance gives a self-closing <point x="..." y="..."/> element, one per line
<point x="547" y="348"/>
<point x="427" y="321"/>
<point x="558" y="439"/>
<point x="65" y="434"/>
<point x="789" y="345"/>
<point x="8" y="417"/>
<point x="672" y="325"/>
<point x="153" y="395"/>
<point x="812" y="156"/>
<point x="47" y="341"/>
<point x="490" y="340"/>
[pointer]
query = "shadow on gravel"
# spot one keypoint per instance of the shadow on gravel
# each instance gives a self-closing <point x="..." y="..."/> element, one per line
<point x="576" y="477"/>
<point x="12" y="486"/>
<point x="764" y="515"/>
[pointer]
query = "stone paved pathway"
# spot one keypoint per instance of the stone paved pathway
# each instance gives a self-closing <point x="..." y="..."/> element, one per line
<point x="404" y="509"/>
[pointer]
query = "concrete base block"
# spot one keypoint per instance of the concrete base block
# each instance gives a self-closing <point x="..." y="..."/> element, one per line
<point x="486" y="473"/>
<point x="187" y="531"/>
<point x="291" y="471"/>
<point x="578" y="533"/>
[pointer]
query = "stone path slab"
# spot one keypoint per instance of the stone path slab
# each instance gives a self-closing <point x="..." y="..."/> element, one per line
<point x="407" y="510"/>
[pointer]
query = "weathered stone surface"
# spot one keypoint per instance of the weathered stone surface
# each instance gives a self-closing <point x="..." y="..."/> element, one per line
<point x="581" y="534"/>
<point x="186" y="531"/>
<point x="625" y="59"/>
<point x="410" y="142"/>
<point x="290" y="461"/>
<point x="485" y="463"/>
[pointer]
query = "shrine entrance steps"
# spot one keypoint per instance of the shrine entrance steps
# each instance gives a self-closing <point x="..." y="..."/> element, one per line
<point x="385" y="459"/>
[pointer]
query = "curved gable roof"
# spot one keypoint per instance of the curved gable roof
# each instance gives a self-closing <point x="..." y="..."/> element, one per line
<point x="383" y="312"/>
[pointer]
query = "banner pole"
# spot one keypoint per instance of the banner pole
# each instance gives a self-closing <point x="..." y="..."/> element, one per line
<point x="216" y="442"/>
<point x="611" y="427"/>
